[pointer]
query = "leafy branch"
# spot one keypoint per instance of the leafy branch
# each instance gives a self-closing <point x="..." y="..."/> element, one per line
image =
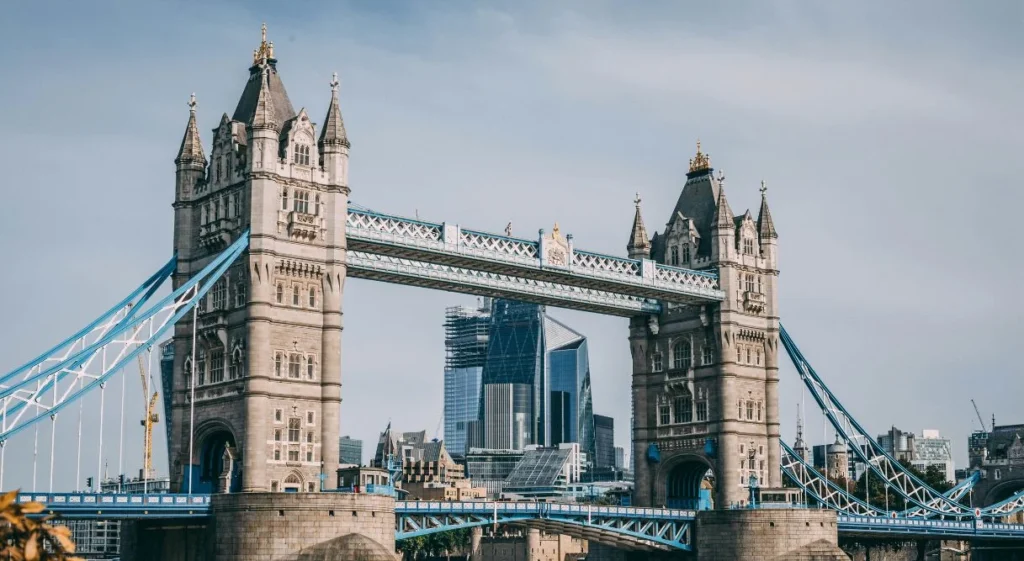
<point x="25" y="539"/>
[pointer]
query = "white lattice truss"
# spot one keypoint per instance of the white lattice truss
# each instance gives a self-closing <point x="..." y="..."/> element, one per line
<point x="55" y="379"/>
<point x="483" y="283"/>
<point x="821" y="489"/>
<point x="482" y="243"/>
<point x="918" y="494"/>
<point x="645" y="529"/>
<point x="443" y="243"/>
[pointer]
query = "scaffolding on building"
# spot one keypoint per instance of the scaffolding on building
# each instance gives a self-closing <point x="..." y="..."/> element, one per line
<point x="465" y="336"/>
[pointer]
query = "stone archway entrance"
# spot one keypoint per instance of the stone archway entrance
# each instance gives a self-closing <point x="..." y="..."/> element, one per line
<point x="213" y="461"/>
<point x="292" y="484"/>
<point x="690" y="484"/>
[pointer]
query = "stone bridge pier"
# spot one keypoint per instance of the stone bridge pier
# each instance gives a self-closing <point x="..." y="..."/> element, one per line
<point x="271" y="527"/>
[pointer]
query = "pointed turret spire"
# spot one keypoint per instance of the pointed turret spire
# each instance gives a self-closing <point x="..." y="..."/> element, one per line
<point x="333" y="132"/>
<point x="723" y="214"/>
<point x="765" y="226"/>
<point x="799" y="446"/>
<point x="191" y="150"/>
<point x="264" y="117"/>
<point x="639" y="245"/>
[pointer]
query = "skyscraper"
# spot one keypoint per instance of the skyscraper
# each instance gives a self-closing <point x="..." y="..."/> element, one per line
<point x="513" y="389"/>
<point x="604" y="449"/>
<point x="466" y="335"/>
<point x="515" y="376"/>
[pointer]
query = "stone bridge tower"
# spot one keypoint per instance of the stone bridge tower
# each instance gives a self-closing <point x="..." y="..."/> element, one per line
<point x="266" y="356"/>
<point x="705" y="378"/>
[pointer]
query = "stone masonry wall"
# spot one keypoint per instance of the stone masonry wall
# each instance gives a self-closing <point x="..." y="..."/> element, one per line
<point x="738" y="535"/>
<point x="277" y="526"/>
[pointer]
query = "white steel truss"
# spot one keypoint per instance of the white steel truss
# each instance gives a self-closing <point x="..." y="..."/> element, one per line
<point x="482" y="283"/>
<point x="447" y="244"/>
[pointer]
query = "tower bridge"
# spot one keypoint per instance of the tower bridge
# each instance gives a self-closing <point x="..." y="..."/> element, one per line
<point x="264" y="238"/>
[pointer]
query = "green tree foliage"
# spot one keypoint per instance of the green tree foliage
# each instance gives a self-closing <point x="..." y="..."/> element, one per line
<point x="438" y="544"/>
<point x="25" y="539"/>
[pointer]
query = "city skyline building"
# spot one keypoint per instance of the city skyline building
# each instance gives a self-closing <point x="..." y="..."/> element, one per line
<point x="466" y="336"/>
<point x="604" y="443"/>
<point x="928" y="449"/>
<point x="514" y="377"/>
<point x="350" y="451"/>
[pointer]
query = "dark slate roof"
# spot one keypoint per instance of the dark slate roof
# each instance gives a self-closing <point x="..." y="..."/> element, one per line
<point x="1001" y="438"/>
<point x="246" y="107"/>
<point x="698" y="202"/>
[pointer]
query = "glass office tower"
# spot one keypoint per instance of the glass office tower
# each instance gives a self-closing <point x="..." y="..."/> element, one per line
<point x="515" y="376"/>
<point x="513" y="404"/>
<point x="466" y="335"/>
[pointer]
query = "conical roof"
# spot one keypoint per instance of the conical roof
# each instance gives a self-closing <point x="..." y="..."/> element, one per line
<point x="333" y="132"/>
<point x="191" y="149"/>
<point x="638" y="240"/>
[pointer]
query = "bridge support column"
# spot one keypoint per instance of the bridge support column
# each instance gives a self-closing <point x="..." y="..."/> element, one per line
<point x="270" y="527"/>
<point x="736" y="535"/>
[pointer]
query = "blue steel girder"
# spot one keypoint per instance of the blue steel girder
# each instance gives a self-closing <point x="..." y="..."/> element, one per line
<point x="398" y="270"/>
<point x="849" y="525"/>
<point x="119" y="506"/>
<point x="634" y="528"/>
<point x="879" y="462"/>
<point x="448" y="244"/>
<point x="836" y="498"/>
<point x="925" y="500"/>
<point x="42" y="389"/>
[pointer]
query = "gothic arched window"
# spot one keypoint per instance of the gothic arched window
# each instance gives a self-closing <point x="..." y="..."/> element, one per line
<point x="237" y="369"/>
<point x="301" y="154"/>
<point x="681" y="355"/>
<point x="673" y="255"/>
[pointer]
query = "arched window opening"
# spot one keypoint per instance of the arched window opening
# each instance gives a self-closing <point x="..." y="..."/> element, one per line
<point x="681" y="355"/>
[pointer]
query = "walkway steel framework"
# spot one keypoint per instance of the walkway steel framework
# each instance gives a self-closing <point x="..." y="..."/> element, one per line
<point x="445" y="256"/>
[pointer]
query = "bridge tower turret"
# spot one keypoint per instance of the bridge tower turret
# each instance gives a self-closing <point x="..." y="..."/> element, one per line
<point x="705" y="377"/>
<point x="266" y="355"/>
<point x="189" y="173"/>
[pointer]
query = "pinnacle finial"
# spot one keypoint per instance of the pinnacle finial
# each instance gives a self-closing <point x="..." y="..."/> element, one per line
<point x="721" y="176"/>
<point x="764" y="188"/>
<point x="265" y="50"/>
<point x="637" y="200"/>
<point x="334" y="83"/>
<point x="192" y="102"/>
<point x="701" y="161"/>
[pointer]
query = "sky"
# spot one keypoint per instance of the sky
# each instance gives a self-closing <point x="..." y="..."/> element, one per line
<point x="889" y="137"/>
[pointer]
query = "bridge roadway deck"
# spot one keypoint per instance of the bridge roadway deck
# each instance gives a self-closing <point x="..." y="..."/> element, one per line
<point x="409" y="251"/>
<point x="477" y="513"/>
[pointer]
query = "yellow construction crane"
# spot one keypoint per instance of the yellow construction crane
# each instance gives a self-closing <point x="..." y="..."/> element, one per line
<point x="151" y="419"/>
